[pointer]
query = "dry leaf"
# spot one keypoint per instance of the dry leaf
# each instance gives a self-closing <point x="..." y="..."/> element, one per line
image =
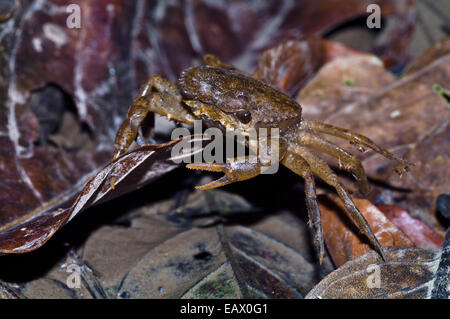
<point x="344" y="241"/>
<point x="132" y="170"/>
<point x="409" y="272"/>
<point x="290" y="64"/>
<point x="158" y="256"/>
<point x="420" y="233"/>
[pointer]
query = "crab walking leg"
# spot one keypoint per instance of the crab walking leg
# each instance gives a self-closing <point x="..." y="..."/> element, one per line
<point x="241" y="168"/>
<point x="300" y="167"/>
<point x="347" y="160"/>
<point x="321" y="169"/>
<point x="356" y="139"/>
<point x="157" y="95"/>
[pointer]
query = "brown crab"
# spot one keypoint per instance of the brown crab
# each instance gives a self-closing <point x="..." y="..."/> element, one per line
<point x="226" y="98"/>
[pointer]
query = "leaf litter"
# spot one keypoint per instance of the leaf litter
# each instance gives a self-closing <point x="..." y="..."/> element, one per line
<point x="158" y="247"/>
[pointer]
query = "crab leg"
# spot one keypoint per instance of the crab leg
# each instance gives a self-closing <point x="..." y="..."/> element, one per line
<point x="321" y="169"/>
<point x="355" y="138"/>
<point x="157" y="95"/>
<point x="300" y="167"/>
<point x="348" y="161"/>
<point x="241" y="168"/>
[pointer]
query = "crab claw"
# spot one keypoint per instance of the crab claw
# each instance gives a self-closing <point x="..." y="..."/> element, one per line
<point x="212" y="167"/>
<point x="237" y="170"/>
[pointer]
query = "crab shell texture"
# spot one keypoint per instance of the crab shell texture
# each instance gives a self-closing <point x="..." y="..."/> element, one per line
<point x="238" y="95"/>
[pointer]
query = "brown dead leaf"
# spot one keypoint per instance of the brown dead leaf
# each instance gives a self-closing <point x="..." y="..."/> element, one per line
<point x="83" y="65"/>
<point x="290" y="64"/>
<point x="132" y="170"/>
<point x="344" y="241"/>
<point x="409" y="273"/>
<point x="340" y="83"/>
<point x="437" y="50"/>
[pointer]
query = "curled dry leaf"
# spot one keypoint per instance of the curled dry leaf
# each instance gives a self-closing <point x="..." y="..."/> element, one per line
<point x="290" y="64"/>
<point x="344" y="241"/>
<point x="409" y="272"/>
<point x="156" y="255"/>
<point x="132" y="170"/>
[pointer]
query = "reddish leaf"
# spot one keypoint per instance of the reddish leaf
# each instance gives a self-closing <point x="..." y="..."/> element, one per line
<point x="344" y="241"/>
<point x="290" y="64"/>
<point x="39" y="177"/>
<point x="420" y="233"/>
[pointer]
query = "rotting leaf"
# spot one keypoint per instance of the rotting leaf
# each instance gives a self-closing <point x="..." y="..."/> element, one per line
<point x="170" y="269"/>
<point x="219" y="284"/>
<point x="208" y="208"/>
<point x="409" y="272"/>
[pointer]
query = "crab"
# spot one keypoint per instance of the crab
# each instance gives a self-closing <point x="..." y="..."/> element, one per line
<point x="225" y="97"/>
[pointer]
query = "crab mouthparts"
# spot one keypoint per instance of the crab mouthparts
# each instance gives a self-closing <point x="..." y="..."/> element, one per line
<point x="211" y="113"/>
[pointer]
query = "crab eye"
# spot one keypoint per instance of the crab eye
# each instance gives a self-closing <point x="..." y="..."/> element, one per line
<point x="244" y="116"/>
